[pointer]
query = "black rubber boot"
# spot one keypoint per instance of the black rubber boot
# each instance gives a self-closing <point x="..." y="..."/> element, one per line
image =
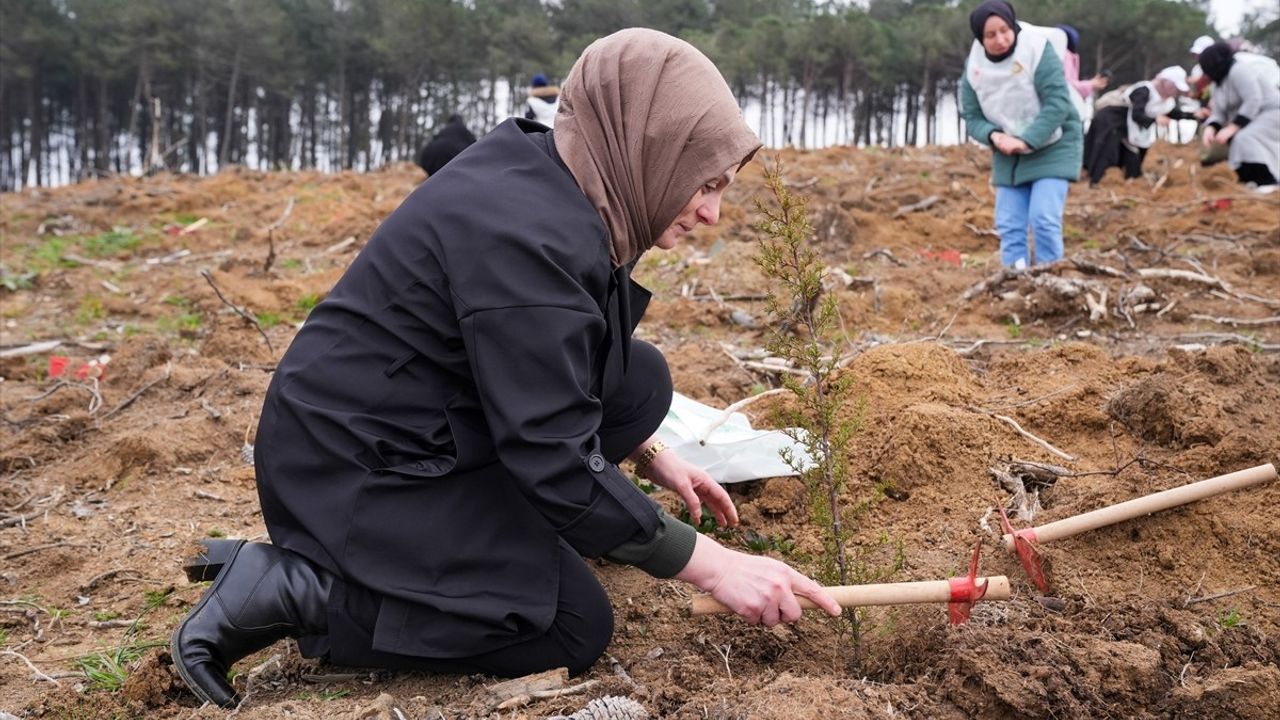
<point x="213" y="556"/>
<point x="261" y="595"/>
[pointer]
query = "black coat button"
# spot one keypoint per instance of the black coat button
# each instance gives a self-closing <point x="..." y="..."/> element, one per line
<point x="596" y="463"/>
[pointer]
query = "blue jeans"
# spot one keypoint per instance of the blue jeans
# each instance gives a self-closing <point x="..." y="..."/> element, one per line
<point x="1037" y="205"/>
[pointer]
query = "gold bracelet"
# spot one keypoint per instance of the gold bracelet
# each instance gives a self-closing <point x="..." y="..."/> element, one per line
<point x="646" y="457"/>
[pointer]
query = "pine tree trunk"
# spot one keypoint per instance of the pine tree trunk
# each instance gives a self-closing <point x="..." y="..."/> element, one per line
<point x="81" y="118"/>
<point x="102" y="142"/>
<point x="224" y="148"/>
<point x="35" y="165"/>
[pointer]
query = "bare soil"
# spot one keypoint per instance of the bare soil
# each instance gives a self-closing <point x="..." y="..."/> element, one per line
<point x="107" y="481"/>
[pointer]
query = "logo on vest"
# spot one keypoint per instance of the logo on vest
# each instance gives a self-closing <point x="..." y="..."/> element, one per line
<point x="1017" y="68"/>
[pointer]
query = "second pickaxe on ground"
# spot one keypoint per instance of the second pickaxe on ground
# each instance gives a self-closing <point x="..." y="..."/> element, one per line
<point x="1024" y="541"/>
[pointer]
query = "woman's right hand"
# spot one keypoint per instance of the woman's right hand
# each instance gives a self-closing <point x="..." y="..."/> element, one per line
<point x="1008" y="144"/>
<point x="1209" y="132"/>
<point x="759" y="589"/>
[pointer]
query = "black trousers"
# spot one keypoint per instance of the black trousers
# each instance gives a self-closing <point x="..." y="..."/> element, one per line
<point x="1257" y="173"/>
<point x="583" y="624"/>
<point x="1105" y="146"/>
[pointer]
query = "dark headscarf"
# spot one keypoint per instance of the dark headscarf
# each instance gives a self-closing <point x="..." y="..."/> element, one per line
<point x="1002" y="10"/>
<point x="1073" y="37"/>
<point x="1216" y="61"/>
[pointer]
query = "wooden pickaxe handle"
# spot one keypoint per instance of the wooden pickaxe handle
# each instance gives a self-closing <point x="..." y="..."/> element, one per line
<point x="929" y="591"/>
<point x="1147" y="504"/>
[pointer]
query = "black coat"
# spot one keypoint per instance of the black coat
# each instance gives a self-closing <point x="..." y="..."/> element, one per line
<point x="445" y="145"/>
<point x="431" y="433"/>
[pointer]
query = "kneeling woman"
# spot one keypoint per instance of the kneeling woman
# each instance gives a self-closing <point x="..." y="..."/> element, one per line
<point x="1014" y="98"/>
<point x="437" y="451"/>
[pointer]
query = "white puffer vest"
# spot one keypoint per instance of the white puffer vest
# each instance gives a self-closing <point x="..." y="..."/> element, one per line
<point x="543" y="111"/>
<point x="1006" y="90"/>
<point x="1145" y="137"/>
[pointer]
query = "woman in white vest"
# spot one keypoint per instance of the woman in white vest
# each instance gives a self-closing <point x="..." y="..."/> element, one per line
<point x="1125" y="123"/>
<point x="543" y="102"/>
<point x="1014" y="98"/>
<point x="1246" y="112"/>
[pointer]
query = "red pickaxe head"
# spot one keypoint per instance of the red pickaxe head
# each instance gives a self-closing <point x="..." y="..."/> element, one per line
<point x="965" y="591"/>
<point x="1024" y="544"/>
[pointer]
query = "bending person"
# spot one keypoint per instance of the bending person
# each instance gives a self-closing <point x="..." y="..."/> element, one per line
<point x="1015" y="99"/>
<point x="1245" y="112"/>
<point x="445" y="145"/>
<point x="1124" y="127"/>
<point x="438" y="446"/>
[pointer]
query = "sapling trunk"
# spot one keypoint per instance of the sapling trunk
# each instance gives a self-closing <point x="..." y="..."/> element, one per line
<point x="805" y="327"/>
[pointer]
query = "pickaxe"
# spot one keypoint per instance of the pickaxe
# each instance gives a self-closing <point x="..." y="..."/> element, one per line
<point x="1024" y="541"/>
<point x="960" y="593"/>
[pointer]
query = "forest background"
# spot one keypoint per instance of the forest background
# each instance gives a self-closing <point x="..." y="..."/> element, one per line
<point x="97" y="87"/>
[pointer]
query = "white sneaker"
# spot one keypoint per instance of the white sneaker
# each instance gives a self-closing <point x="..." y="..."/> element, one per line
<point x="1266" y="189"/>
<point x="1020" y="264"/>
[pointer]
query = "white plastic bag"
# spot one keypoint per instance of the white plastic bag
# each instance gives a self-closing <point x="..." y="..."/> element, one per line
<point x="733" y="452"/>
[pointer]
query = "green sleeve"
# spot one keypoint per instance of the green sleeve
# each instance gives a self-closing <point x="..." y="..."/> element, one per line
<point x="1055" y="100"/>
<point x="976" y="124"/>
<point x="665" y="554"/>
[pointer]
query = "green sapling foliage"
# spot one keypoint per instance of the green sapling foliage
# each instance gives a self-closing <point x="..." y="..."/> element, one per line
<point x="807" y="333"/>
<point x="806" y="322"/>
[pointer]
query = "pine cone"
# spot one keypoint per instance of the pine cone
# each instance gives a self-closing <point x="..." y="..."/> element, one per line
<point x="609" y="707"/>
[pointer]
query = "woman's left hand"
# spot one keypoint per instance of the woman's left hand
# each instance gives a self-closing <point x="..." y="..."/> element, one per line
<point x="694" y="486"/>
<point x="1224" y="135"/>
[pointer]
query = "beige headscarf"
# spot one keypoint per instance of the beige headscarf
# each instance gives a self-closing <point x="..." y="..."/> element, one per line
<point x="646" y="119"/>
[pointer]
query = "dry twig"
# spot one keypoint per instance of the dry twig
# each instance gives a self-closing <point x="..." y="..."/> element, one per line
<point x="168" y="369"/>
<point x="34" y="670"/>
<point x="525" y="699"/>
<point x="1218" y="596"/>
<point x="40" y="548"/>
<point x="1014" y="424"/>
<point x="238" y="310"/>
<point x="924" y="204"/>
<point x="729" y="411"/>
<point x="1235" y="322"/>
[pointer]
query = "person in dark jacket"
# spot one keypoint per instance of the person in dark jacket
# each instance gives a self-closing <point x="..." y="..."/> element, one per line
<point x="445" y="145"/>
<point x="438" y="447"/>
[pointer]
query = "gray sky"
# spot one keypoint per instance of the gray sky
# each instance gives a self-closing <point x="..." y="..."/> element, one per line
<point x="1227" y="14"/>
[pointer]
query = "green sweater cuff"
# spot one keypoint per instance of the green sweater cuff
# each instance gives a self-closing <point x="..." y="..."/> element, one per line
<point x="663" y="555"/>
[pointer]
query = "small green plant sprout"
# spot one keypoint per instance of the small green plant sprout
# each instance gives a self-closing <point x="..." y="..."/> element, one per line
<point x="217" y="533"/>
<point x="268" y="319"/>
<point x="118" y="241"/>
<point x="759" y="542"/>
<point x="13" y="282"/>
<point x="90" y="309"/>
<point x="108" y="669"/>
<point x="706" y="524"/>
<point x="105" y="615"/>
<point x="156" y="598"/>
<point x="1230" y="619"/>
<point x="756" y="542"/>
<point x="806" y="324"/>
<point x="307" y="302"/>
<point x="4" y="637"/>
